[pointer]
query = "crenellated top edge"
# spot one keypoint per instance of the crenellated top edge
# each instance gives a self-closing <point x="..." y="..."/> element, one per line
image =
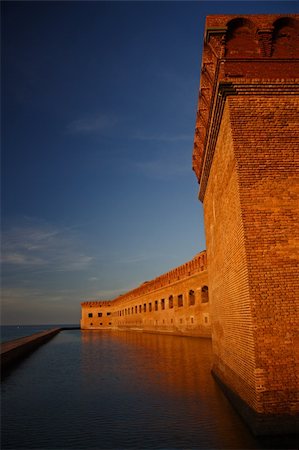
<point x="241" y="46"/>
<point x="260" y="20"/>
<point x="197" y="264"/>
<point x="96" y="303"/>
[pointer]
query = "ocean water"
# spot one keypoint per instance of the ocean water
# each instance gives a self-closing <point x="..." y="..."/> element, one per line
<point x="121" y="390"/>
<point x="10" y="332"/>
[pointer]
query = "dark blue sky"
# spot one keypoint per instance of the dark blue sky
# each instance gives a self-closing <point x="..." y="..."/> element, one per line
<point x="98" y="114"/>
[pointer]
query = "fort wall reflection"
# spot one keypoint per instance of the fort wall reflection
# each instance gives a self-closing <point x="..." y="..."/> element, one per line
<point x="168" y="368"/>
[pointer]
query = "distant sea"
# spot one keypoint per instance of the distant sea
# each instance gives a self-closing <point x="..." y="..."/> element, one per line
<point x="10" y="332"/>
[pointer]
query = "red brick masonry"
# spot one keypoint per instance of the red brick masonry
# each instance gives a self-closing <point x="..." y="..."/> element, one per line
<point x="176" y="302"/>
<point x="246" y="161"/>
<point x="245" y="158"/>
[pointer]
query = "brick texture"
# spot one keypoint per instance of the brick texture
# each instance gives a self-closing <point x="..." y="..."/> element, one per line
<point x="176" y="302"/>
<point x="246" y="161"/>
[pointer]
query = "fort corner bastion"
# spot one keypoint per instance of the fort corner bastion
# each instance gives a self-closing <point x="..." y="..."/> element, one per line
<point x="244" y="290"/>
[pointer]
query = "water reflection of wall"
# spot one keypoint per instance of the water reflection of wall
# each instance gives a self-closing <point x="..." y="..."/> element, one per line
<point x="168" y="375"/>
<point x="177" y="364"/>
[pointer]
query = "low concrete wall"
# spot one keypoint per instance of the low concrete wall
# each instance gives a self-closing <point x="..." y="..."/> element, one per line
<point x="13" y="351"/>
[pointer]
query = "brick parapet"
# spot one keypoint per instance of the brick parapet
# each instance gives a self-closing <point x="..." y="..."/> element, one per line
<point x="96" y="303"/>
<point x="239" y="87"/>
<point x="192" y="267"/>
<point x="174" y="303"/>
<point x="251" y="47"/>
<point x="197" y="264"/>
<point x="246" y="161"/>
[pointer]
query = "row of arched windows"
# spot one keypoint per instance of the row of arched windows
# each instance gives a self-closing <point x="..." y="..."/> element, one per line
<point x="191" y="320"/>
<point x="241" y="26"/>
<point x="165" y="303"/>
<point x="242" y="37"/>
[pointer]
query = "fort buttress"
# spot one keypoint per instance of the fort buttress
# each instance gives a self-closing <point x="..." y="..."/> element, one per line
<point x="243" y="291"/>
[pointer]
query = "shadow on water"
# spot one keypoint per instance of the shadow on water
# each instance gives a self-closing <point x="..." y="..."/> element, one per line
<point x="114" y="390"/>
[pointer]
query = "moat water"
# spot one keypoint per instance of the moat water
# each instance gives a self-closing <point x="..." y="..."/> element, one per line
<point x="115" y="390"/>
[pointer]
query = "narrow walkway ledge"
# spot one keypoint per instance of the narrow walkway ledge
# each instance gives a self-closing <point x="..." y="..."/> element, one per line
<point x="14" y="351"/>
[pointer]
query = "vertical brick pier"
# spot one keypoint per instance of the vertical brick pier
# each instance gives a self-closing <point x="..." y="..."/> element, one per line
<point x="245" y="157"/>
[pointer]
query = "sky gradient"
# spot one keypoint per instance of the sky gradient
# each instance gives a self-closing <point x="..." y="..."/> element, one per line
<point x="98" y="115"/>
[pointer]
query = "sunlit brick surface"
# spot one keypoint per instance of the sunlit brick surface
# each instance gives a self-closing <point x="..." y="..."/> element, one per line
<point x="176" y="302"/>
<point x="246" y="160"/>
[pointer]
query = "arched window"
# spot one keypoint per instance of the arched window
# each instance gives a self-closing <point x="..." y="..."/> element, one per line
<point x="241" y="38"/>
<point x="191" y="297"/>
<point x="285" y="37"/>
<point x="180" y="300"/>
<point x="204" y="294"/>
<point x="170" y="302"/>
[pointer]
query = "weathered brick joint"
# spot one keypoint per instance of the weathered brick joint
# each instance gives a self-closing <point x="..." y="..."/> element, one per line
<point x="176" y="302"/>
<point x="245" y="158"/>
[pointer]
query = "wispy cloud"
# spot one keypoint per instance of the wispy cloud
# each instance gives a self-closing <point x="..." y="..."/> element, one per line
<point x="11" y="257"/>
<point x="132" y="259"/>
<point x="100" y="123"/>
<point x="28" y="304"/>
<point x="42" y="247"/>
<point x="12" y="295"/>
<point x="110" y="294"/>
<point x="163" y="137"/>
<point x="161" y="168"/>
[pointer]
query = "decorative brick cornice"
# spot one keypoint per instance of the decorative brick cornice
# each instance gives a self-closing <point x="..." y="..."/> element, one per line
<point x="239" y="87"/>
<point x="255" y="48"/>
<point x="265" y="37"/>
<point x="214" y="31"/>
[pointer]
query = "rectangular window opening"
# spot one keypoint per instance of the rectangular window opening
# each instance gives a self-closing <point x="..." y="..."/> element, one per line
<point x="180" y="300"/>
<point x="170" y="302"/>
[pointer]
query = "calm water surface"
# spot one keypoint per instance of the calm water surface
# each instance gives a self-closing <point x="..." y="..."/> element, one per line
<point x="114" y="390"/>
<point x="10" y="332"/>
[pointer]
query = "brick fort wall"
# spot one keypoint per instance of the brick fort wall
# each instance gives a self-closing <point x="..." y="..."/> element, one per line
<point x="246" y="161"/>
<point x="176" y="302"/>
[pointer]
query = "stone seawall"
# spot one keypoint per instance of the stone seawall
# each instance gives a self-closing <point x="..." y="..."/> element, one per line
<point x="14" y="351"/>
